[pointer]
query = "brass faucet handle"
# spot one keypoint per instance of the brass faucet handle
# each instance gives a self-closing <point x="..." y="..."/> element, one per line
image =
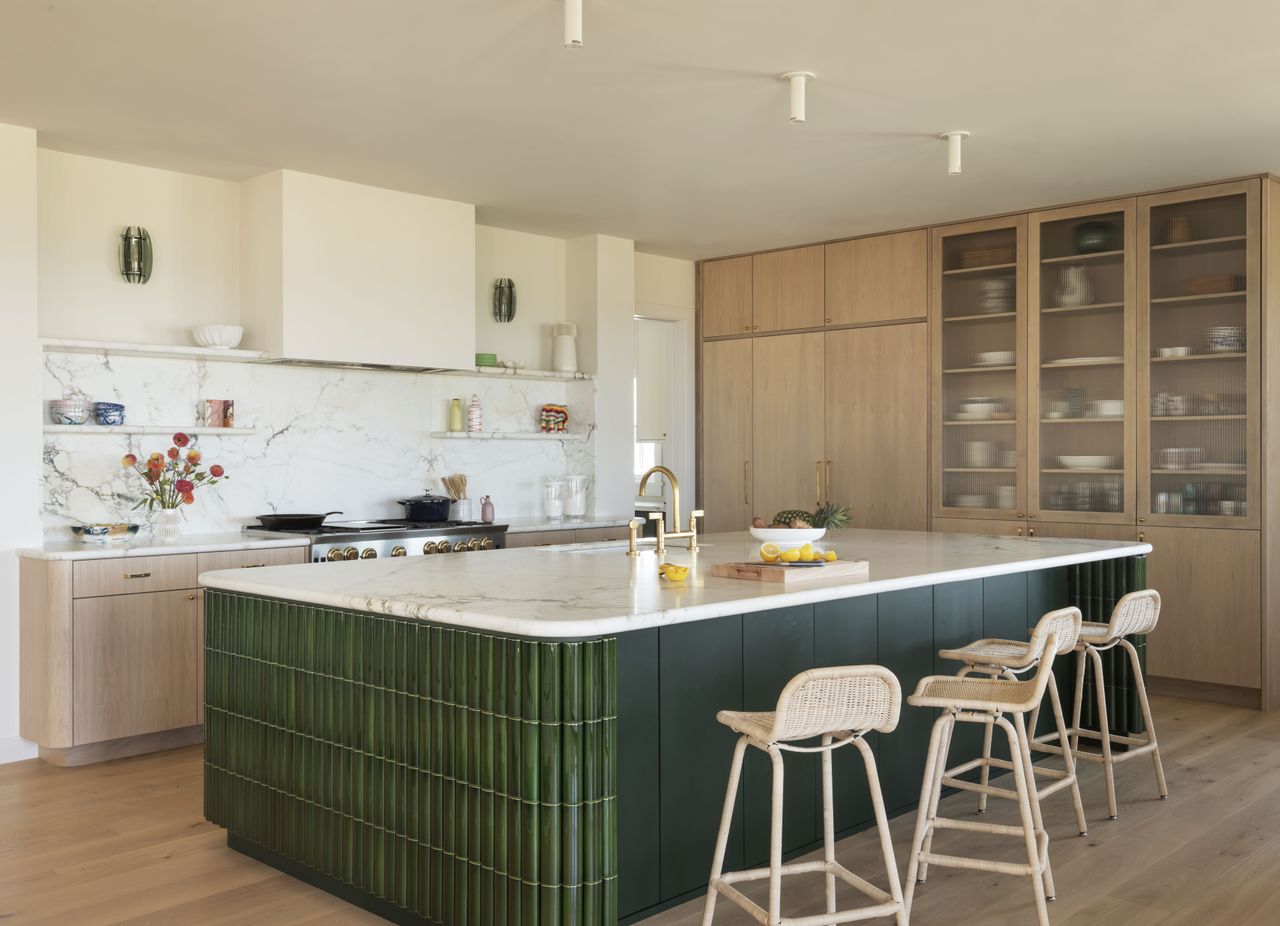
<point x="661" y="518"/>
<point x="635" y="524"/>
<point x="693" y="518"/>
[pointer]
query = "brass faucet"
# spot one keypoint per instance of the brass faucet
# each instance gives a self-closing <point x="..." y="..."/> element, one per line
<point x="660" y="517"/>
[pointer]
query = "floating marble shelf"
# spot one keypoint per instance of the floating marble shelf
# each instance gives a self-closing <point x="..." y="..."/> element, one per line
<point x="125" y="349"/>
<point x="504" y="373"/>
<point x="506" y="435"/>
<point x="145" y="429"/>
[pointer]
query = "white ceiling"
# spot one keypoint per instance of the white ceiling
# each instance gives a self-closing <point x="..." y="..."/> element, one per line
<point x="669" y="126"/>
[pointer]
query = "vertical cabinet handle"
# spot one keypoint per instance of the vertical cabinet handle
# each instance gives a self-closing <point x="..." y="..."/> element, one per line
<point x="1019" y="532"/>
<point x="1142" y="536"/>
<point x="817" y="483"/>
<point x="746" y="482"/>
<point x="827" y="490"/>
<point x="1031" y="531"/>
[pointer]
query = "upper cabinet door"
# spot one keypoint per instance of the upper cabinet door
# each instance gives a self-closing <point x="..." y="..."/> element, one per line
<point x="978" y="325"/>
<point x="787" y="406"/>
<point x="1080" y="369"/>
<point x="787" y="289"/>
<point x="726" y="296"/>
<point x="882" y="278"/>
<point x="1199" y="337"/>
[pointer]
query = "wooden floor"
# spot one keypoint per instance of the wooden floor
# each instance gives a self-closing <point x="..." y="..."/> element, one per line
<point x="124" y="842"/>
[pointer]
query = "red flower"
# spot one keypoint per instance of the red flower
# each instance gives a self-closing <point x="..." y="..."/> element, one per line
<point x="216" y="471"/>
<point x="193" y="456"/>
<point x="188" y="499"/>
<point x="173" y="453"/>
<point x="181" y="439"/>
<point x="128" y="460"/>
<point x="184" y="486"/>
<point x="155" y="464"/>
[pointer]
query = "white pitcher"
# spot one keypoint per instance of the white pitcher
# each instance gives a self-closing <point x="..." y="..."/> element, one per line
<point x="1074" y="288"/>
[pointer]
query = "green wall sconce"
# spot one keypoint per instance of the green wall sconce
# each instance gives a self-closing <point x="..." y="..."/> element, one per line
<point x="135" y="254"/>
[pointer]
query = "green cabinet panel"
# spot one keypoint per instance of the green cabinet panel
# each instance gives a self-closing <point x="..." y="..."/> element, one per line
<point x="700" y="673"/>
<point x="1004" y="607"/>
<point x="638" y="808"/>
<point x="905" y="642"/>
<point x="776" y="646"/>
<point x="957" y="622"/>
<point x="844" y="634"/>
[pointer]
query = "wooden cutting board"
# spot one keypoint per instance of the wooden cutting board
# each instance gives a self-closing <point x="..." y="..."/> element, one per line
<point x="790" y="575"/>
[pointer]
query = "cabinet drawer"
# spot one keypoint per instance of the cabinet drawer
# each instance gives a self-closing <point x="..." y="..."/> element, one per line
<point x="541" y="538"/>
<point x="600" y="534"/>
<point x="92" y="578"/>
<point x="135" y="664"/>
<point x="249" y="559"/>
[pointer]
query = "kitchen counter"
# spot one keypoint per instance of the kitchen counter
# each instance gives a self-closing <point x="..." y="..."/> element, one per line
<point x="144" y="545"/>
<point x="530" y="525"/>
<point x="586" y="590"/>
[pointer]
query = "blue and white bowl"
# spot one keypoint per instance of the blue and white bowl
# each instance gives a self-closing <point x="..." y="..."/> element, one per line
<point x="109" y="413"/>
<point x="70" y="411"/>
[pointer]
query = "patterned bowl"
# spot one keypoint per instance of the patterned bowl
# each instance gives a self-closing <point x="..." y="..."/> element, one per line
<point x="104" y="533"/>
<point x="108" y="413"/>
<point x="222" y="337"/>
<point x="70" y="411"/>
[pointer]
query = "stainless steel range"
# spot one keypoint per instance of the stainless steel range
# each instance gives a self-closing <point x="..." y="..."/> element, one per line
<point x="343" y="540"/>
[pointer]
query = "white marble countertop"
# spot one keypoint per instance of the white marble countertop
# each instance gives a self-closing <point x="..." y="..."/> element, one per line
<point x="588" y="590"/>
<point x="529" y="525"/>
<point x="144" y="545"/>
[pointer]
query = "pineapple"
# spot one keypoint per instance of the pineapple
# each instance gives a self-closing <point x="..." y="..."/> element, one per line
<point x="832" y="517"/>
<point x="785" y="518"/>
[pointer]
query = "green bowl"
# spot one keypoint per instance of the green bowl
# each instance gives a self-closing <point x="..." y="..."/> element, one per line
<point x="486" y="360"/>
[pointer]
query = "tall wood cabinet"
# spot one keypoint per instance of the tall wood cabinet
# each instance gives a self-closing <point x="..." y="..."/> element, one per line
<point x="725" y="489"/>
<point x="788" y="439"/>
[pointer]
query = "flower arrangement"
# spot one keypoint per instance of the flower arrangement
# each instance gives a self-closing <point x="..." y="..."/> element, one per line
<point x="173" y="477"/>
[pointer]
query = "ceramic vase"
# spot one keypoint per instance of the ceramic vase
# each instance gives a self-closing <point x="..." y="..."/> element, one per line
<point x="167" y="524"/>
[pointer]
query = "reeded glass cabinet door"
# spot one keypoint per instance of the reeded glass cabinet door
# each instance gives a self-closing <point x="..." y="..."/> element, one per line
<point x="978" y="317"/>
<point x="1198" y="342"/>
<point x="1080" y="373"/>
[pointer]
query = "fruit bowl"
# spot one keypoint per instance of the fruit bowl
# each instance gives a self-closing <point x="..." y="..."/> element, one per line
<point x="220" y="337"/>
<point x="787" y="537"/>
<point x="104" y="533"/>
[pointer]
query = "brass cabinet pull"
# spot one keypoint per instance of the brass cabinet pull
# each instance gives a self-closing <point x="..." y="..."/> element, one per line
<point x="1029" y="515"/>
<point x="1031" y="531"/>
<point x="252" y="565"/>
<point x="1019" y="532"/>
<point x="137" y="575"/>
<point x="746" y="482"/>
<point x="817" y="483"/>
<point x="191" y="597"/>
<point x="828" y="486"/>
<point x="1020" y="514"/>
<point x="1142" y="537"/>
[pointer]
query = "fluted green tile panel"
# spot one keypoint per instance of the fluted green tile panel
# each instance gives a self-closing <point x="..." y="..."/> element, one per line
<point x="1095" y="588"/>
<point x="460" y="777"/>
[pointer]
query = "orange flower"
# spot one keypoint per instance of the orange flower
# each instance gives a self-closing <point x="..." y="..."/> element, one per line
<point x="156" y="456"/>
<point x="181" y="439"/>
<point x="173" y="453"/>
<point x="128" y="460"/>
<point x="155" y="464"/>
<point x="188" y="499"/>
<point x="184" y="486"/>
<point x="216" y="471"/>
<point x="193" y="456"/>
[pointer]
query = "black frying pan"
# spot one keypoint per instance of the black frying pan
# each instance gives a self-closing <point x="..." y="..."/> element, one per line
<point x="294" y="522"/>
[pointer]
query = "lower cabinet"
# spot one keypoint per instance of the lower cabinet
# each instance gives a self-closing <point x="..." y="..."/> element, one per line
<point x="134" y="656"/>
<point x="565" y="535"/>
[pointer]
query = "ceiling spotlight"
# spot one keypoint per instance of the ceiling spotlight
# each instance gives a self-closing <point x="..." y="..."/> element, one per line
<point x="954" y="140"/>
<point x="798" y="80"/>
<point x="572" y="23"/>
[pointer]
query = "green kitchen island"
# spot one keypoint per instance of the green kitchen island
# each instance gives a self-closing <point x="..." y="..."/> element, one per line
<point x="529" y="736"/>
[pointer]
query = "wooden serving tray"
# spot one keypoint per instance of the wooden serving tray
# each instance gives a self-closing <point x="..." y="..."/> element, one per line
<point x="789" y="575"/>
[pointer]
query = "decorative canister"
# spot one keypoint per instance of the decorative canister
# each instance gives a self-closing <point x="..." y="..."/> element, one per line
<point x="455" y="415"/>
<point x="486" y="509"/>
<point x="564" y="347"/>
<point x="475" y="415"/>
<point x="553" y="499"/>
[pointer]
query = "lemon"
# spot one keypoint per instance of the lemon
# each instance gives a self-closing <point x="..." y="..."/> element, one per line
<point x="790" y="556"/>
<point x="829" y="556"/>
<point x="806" y="553"/>
<point x="673" y="572"/>
<point x="770" y="552"/>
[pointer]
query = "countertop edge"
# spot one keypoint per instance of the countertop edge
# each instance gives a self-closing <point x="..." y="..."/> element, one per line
<point x="64" y="551"/>
<point x="531" y="526"/>
<point x="234" y="581"/>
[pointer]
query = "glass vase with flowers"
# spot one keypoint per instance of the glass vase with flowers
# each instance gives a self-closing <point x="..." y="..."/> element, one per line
<point x="172" y="479"/>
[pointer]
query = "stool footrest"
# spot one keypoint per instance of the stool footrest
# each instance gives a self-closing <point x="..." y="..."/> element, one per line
<point x="975" y="826"/>
<point x="885" y="905"/>
<point x="976" y="788"/>
<point x="978" y="864"/>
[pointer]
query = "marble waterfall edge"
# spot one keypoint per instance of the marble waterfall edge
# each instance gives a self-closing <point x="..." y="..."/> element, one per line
<point x="350" y="439"/>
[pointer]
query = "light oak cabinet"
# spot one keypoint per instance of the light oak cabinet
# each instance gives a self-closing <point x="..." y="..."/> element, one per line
<point x="877" y="442"/>
<point x="567" y="535"/>
<point x="787" y="289"/>
<point x="726" y="296"/>
<point x="726" y="434"/>
<point x="877" y="279"/>
<point x="788" y="446"/>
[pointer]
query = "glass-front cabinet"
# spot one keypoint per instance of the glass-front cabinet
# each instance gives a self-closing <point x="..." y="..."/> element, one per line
<point x="1080" y="376"/>
<point x="978" y="322"/>
<point x="1199" y="340"/>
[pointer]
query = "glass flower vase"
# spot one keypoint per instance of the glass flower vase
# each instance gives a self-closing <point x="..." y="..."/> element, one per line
<point x="167" y="524"/>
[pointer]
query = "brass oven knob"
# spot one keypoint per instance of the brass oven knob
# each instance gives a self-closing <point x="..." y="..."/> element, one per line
<point x="486" y="544"/>
<point x="443" y="547"/>
<point x="429" y="547"/>
<point x="369" y="553"/>
<point x="399" y="551"/>
<point x="473" y="544"/>
<point x="460" y="546"/>
<point x="350" y="553"/>
<point x="334" y="555"/>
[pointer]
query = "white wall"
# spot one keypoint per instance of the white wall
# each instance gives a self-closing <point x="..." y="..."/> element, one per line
<point x="20" y="386"/>
<point x="84" y="204"/>
<point x="537" y="265"/>
<point x="664" y="281"/>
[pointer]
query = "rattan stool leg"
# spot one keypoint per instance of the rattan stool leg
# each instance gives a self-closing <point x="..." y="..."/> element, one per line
<point x="1146" y="719"/>
<point x="775" y="841"/>
<point x="1077" y="708"/>
<point x="1104" y="728"/>
<point x="1026" y="788"/>
<point x="944" y="753"/>
<point x="984" y="772"/>
<point x="828" y="823"/>
<point x="1068" y="758"/>
<point x="722" y="839"/>
<point x="1033" y="798"/>
<point x="932" y="765"/>
<point x="882" y="826"/>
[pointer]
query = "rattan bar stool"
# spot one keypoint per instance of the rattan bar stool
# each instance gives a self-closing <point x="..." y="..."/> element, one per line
<point x="1135" y="613"/>
<point x="992" y="701"/>
<point x="1009" y="659"/>
<point x="840" y="705"/>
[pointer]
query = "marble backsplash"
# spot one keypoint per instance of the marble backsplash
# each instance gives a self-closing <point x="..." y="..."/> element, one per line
<point x="325" y="439"/>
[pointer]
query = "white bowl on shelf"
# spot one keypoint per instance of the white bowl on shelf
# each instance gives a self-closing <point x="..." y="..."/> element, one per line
<point x="787" y="538"/>
<point x="1087" y="462"/>
<point x="219" y="337"/>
